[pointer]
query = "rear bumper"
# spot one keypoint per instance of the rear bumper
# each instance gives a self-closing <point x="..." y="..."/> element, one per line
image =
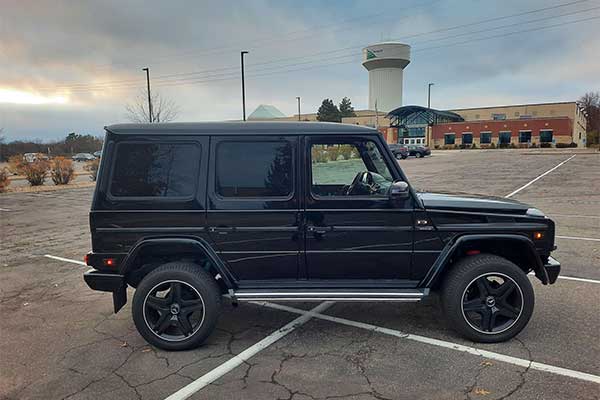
<point x="106" y="282"/>
<point x="552" y="268"/>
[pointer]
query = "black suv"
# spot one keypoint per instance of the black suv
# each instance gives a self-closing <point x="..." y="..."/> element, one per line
<point x="191" y="213"/>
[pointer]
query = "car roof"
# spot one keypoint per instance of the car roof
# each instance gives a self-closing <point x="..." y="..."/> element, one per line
<point x="240" y="128"/>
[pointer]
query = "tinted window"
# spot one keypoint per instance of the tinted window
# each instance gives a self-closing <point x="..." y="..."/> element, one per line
<point x="155" y="170"/>
<point x="486" y="137"/>
<point x="254" y="169"/>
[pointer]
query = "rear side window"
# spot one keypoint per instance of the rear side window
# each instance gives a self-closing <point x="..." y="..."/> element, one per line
<point x="254" y="169"/>
<point x="155" y="170"/>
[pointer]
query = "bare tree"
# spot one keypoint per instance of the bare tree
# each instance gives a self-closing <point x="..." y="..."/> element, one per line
<point x="590" y="102"/>
<point x="163" y="110"/>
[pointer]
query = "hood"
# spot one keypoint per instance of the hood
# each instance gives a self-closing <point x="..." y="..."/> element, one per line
<point x="472" y="202"/>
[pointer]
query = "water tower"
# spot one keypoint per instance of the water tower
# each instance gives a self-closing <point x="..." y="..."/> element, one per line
<point x="385" y="63"/>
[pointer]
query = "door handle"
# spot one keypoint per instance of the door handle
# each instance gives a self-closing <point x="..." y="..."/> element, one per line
<point x="319" y="229"/>
<point x="221" y="230"/>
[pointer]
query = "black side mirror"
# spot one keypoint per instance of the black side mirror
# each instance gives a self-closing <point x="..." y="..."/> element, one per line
<point x="399" y="190"/>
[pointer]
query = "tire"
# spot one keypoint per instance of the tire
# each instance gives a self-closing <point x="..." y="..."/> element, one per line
<point x="176" y="306"/>
<point x="418" y="155"/>
<point x="487" y="298"/>
<point x="404" y="157"/>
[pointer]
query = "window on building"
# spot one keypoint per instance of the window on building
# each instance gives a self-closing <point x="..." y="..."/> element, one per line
<point x="504" y="137"/>
<point x="335" y="167"/>
<point x="525" y="116"/>
<point x="467" y="138"/>
<point x="485" y="137"/>
<point x="267" y="169"/>
<point x="498" y="117"/>
<point x="524" y="136"/>
<point x="449" y="138"/>
<point x="412" y="141"/>
<point x="546" y="135"/>
<point x="155" y="170"/>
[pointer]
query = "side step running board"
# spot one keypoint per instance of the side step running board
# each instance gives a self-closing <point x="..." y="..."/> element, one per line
<point x="365" y="295"/>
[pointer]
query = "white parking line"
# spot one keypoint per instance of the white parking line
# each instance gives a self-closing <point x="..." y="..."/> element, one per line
<point x="571" y="278"/>
<point x="241" y="358"/>
<point x="448" y="345"/>
<point x="578" y="238"/>
<point x="576" y="216"/>
<point x="538" y="178"/>
<point x="65" y="260"/>
<point x="4" y="209"/>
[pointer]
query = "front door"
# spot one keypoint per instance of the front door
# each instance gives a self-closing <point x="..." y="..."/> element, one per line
<point x="352" y="229"/>
<point x="253" y="211"/>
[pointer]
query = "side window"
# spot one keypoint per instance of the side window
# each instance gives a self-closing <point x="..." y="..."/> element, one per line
<point x="349" y="169"/>
<point x="246" y="169"/>
<point x="155" y="170"/>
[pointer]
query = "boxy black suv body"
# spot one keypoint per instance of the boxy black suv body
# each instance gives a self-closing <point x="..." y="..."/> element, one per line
<point x="192" y="213"/>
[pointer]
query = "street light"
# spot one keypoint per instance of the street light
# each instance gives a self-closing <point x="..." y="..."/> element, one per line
<point x="149" y="97"/>
<point x="429" y="95"/>
<point x="298" y="98"/>
<point x="243" y="85"/>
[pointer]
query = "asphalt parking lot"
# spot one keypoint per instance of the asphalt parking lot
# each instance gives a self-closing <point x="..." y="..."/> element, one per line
<point x="59" y="340"/>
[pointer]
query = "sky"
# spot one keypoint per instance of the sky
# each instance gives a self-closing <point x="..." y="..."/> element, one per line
<point x="74" y="66"/>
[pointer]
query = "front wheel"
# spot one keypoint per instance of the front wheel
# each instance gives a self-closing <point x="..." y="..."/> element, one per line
<point x="487" y="298"/>
<point x="176" y="306"/>
<point x="418" y="155"/>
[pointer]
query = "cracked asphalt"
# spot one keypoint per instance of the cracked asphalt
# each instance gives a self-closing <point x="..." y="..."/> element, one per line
<point x="60" y="340"/>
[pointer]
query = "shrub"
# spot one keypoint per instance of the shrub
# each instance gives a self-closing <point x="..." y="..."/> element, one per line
<point x="545" y="145"/>
<point x="474" y="146"/>
<point x="346" y="151"/>
<point x="534" y="145"/>
<point x="503" y="145"/>
<point x="333" y="152"/>
<point x="35" y="172"/>
<point x="92" y="168"/>
<point x="15" y="164"/>
<point x="513" y="146"/>
<point x="4" y="180"/>
<point x="62" y="171"/>
<point x="492" y="145"/>
<point x="573" y="144"/>
<point x="437" y="146"/>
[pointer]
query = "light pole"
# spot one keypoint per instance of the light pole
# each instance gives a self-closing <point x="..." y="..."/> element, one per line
<point x="429" y="95"/>
<point x="149" y="97"/>
<point x="243" y="85"/>
<point x="298" y="98"/>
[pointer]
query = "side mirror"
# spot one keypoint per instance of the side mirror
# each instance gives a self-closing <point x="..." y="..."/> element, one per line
<point x="399" y="190"/>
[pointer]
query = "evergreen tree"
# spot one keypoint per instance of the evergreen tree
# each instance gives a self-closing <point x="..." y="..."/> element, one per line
<point x="329" y="112"/>
<point x="346" y="108"/>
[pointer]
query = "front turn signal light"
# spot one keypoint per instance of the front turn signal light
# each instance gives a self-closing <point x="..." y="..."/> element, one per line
<point x="538" y="235"/>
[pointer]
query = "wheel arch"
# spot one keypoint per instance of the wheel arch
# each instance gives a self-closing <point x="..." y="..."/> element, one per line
<point x="149" y="253"/>
<point x="516" y="248"/>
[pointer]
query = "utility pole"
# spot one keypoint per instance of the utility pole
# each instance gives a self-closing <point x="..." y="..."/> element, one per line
<point x="429" y="95"/>
<point x="149" y="97"/>
<point x="243" y="85"/>
<point x="298" y="98"/>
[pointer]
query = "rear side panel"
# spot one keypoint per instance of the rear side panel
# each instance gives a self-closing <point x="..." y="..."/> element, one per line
<point x="129" y="206"/>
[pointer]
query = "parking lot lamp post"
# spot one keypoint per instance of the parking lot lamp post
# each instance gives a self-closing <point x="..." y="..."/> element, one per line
<point x="243" y="85"/>
<point x="429" y="95"/>
<point x="298" y="98"/>
<point x="429" y="125"/>
<point x="149" y="97"/>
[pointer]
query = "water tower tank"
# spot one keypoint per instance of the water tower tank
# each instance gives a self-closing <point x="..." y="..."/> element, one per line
<point x="385" y="63"/>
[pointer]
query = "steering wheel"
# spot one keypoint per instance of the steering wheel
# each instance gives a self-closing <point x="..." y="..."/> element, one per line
<point x="362" y="184"/>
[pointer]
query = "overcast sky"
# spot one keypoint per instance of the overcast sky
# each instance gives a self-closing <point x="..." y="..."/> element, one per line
<point x="74" y="65"/>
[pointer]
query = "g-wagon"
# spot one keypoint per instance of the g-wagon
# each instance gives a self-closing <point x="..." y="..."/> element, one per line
<point x="190" y="214"/>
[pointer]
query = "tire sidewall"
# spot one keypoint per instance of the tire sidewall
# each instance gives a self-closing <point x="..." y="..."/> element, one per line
<point x="191" y="275"/>
<point x="454" y="290"/>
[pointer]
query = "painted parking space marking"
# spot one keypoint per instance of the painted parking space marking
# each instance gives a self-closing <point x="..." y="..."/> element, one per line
<point x="578" y="238"/>
<point x="68" y="260"/>
<point x="576" y="216"/>
<point x="521" y="362"/>
<point x="539" y="177"/>
<point x="251" y="351"/>
<point x="572" y="278"/>
<point x="4" y="209"/>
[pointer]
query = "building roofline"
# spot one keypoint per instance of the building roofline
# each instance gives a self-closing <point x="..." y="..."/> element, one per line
<point x="515" y="105"/>
<point x="525" y="120"/>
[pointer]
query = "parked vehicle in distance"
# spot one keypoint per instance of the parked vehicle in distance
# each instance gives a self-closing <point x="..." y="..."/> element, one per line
<point x="418" y="150"/>
<point x="32" y="157"/>
<point x="399" y="150"/>
<point x="190" y="214"/>
<point x="98" y="154"/>
<point x="83" y="157"/>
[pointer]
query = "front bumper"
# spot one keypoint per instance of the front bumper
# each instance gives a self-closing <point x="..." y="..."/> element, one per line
<point x="106" y="282"/>
<point x="552" y="268"/>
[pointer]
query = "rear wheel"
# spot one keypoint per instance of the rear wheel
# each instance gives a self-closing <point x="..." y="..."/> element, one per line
<point x="176" y="306"/>
<point x="418" y="155"/>
<point x="487" y="298"/>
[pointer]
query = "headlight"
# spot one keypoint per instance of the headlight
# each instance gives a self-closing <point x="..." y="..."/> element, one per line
<point x="534" y="212"/>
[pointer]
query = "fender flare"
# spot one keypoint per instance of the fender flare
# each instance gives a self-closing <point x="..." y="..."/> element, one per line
<point x="189" y="242"/>
<point x="455" y="244"/>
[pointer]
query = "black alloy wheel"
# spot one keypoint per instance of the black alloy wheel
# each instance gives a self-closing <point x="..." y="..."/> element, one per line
<point x="173" y="310"/>
<point x="492" y="303"/>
